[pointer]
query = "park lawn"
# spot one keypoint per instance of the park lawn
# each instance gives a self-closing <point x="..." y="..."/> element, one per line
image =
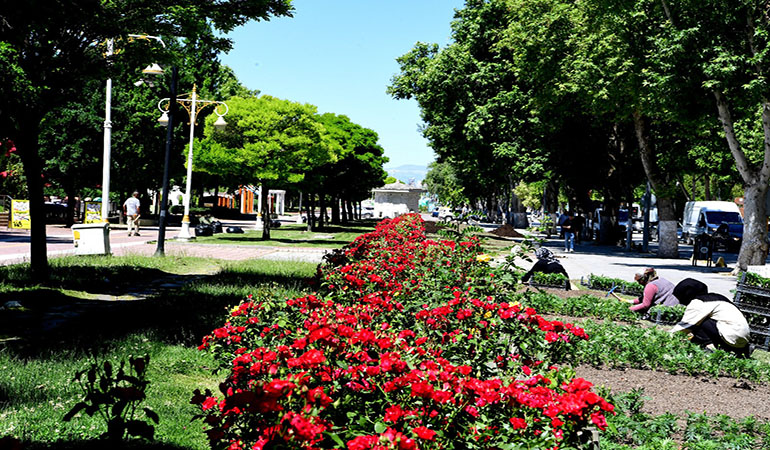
<point x="36" y="371"/>
<point x="101" y="273"/>
<point x="332" y="236"/>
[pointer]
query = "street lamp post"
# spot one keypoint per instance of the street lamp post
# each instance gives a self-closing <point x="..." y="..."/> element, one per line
<point x="193" y="106"/>
<point x="152" y="69"/>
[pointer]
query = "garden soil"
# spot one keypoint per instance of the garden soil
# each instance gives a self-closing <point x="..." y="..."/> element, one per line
<point x="678" y="393"/>
<point x="506" y="231"/>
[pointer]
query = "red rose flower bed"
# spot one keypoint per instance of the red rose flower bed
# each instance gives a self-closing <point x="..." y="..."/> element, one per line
<point x="407" y="344"/>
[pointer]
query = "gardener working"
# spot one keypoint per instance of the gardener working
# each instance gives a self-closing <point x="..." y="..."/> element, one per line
<point x="657" y="291"/>
<point x="712" y="319"/>
<point x="546" y="263"/>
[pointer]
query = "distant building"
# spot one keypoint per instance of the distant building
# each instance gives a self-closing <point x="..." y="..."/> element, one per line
<point x="395" y="199"/>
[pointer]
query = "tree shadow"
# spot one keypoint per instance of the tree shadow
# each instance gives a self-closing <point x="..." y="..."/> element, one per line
<point x="99" y="444"/>
<point x="181" y="315"/>
<point x="110" y="280"/>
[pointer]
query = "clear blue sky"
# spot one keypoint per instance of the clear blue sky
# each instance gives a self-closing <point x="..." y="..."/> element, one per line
<point x="340" y="56"/>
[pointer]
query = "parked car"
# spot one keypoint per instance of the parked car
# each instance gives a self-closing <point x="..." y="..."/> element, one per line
<point x="447" y="213"/>
<point x="707" y="217"/>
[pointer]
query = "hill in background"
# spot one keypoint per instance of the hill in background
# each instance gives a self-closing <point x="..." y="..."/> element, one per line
<point x="408" y="172"/>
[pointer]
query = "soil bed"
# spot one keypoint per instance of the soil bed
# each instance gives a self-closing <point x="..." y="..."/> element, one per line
<point x="677" y="393"/>
<point x="680" y="393"/>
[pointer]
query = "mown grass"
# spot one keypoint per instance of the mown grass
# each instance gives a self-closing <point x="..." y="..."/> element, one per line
<point x="332" y="236"/>
<point x="36" y="371"/>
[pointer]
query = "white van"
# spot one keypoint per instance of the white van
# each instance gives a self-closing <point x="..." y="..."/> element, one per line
<point x="706" y="217"/>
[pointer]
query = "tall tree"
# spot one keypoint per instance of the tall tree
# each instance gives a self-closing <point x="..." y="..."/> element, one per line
<point x="268" y="141"/>
<point x="357" y="169"/>
<point x="48" y="52"/>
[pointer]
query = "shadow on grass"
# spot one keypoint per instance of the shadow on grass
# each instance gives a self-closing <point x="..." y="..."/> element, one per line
<point x="177" y="316"/>
<point x="111" y="280"/>
<point x="99" y="444"/>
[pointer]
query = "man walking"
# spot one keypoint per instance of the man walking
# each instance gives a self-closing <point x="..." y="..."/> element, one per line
<point x="131" y="209"/>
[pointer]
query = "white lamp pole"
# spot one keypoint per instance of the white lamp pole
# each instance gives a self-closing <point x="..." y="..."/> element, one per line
<point x="193" y="105"/>
<point x="107" y="142"/>
<point x="152" y="69"/>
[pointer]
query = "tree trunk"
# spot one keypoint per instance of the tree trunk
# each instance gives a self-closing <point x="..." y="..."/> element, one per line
<point x="668" y="244"/>
<point x="321" y="210"/>
<point x="344" y="211"/>
<point x="706" y="187"/>
<point x="754" y="246"/>
<point x="310" y="211"/>
<point x="266" y="219"/>
<point x="28" y="150"/>
<point x="70" y="190"/>
<point x="335" y="210"/>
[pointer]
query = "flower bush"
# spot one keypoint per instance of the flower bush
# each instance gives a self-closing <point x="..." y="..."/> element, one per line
<point x="408" y="343"/>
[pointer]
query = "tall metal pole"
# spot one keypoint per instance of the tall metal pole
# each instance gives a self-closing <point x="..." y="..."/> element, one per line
<point x="184" y="233"/>
<point x="161" y="250"/>
<point x="107" y="141"/>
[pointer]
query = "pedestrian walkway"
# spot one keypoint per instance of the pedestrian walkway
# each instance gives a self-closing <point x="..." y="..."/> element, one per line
<point x="14" y="245"/>
<point x="615" y="262"/>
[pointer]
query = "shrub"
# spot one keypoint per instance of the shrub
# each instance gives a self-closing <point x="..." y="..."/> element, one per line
<point x="408" y="343"/>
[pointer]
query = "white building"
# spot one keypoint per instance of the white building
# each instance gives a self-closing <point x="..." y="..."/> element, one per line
<point x="395" y="199"/>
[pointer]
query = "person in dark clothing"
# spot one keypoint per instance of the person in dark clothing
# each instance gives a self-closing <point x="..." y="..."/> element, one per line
<point x="577" y="227"/>
<point x="712" y="319"/>
<point x="546" y="263"/>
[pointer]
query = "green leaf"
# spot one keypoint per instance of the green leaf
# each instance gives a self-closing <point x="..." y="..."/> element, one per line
<point x="336" y="439"/>
<point x="380" y="427"/>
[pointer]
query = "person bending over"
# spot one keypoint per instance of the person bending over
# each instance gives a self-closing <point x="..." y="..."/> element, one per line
<point x="712" y="319"/>
<point x="657" y="291"/>
<point x="546" y="263"/>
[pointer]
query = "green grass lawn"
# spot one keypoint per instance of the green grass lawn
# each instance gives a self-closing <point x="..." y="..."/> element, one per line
<point x="37" y="367"/>
<point x="332" y="236"/>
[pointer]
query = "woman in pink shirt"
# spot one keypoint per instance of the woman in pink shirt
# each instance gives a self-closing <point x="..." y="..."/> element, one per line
<point x="657" y="291"/>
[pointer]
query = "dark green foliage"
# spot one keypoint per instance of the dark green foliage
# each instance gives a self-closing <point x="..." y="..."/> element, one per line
<point x="115" y="396"/>
<point x="549" y="279"/>
<point x="602" y="283"/>
<point x="632" y="428"/>
<point x="581" y="306"/>
<point x="666" y="314"/>
<point x="657" y="349"/>
<point x="753" y="279"/>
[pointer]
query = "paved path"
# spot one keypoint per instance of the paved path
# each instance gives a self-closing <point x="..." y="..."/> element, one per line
<point x="615" y="262"/>
<point x="14" y="245"/>
<point x="588" y="258"/>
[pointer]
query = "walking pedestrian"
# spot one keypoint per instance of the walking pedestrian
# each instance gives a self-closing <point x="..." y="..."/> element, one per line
<point x="131" y="208"/>
<point x="569" y="234"/>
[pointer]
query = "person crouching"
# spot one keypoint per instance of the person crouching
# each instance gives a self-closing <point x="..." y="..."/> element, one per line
<point x="712" y="319"/>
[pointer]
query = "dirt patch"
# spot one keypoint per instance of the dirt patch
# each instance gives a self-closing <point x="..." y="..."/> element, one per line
<point x="431" y="227"/>
<point x="678" y="394"/>
<point x="506" y="231"/>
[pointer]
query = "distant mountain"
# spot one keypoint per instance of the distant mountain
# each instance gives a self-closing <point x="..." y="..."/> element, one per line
<point x="408" y="172"/>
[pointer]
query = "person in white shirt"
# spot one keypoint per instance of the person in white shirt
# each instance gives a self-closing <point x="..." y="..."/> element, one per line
<point x="131" y="208"/>
<point x="712" y="319"/>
